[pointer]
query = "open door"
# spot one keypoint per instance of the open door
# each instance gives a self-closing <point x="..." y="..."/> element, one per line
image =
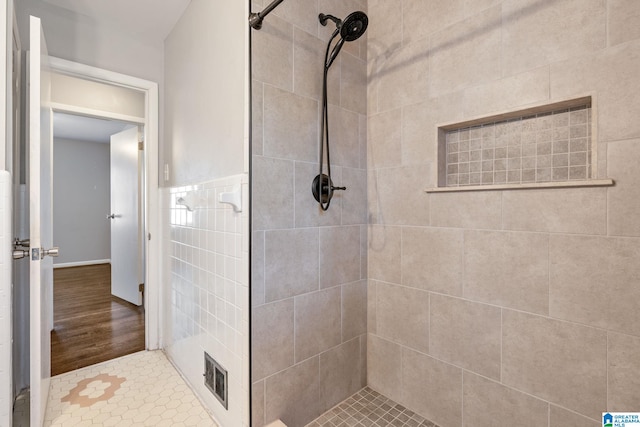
<point x="40" y="222"/>
<point x="125" y="217"/>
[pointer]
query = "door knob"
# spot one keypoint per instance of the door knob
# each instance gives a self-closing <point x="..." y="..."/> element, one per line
<point x="20" y="248"/>
<point x="20" y="253"/>
<point x="53" y="252"/>
<point x="112" y="216"/>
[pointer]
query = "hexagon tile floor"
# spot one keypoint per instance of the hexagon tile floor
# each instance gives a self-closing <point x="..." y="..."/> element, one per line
<point x="142" y="389"/>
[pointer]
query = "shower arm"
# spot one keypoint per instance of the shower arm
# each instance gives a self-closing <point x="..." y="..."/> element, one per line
<point x="255" y="19"/>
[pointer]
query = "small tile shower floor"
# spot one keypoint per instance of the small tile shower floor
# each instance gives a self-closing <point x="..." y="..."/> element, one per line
<point x="369" y="408"/>
<point x="142" y="389"/>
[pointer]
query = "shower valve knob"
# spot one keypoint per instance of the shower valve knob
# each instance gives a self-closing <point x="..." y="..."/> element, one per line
<point x="338" y="188"/>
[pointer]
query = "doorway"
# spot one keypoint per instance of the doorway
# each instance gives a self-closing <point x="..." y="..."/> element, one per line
<point x="150" y="201"/>
<point x="98" y="210"/>
<point x="149" y="160"/>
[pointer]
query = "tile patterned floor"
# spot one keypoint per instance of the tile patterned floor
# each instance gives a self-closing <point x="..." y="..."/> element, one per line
<point x="142" y="389"/>
<point x="369" y="408"/>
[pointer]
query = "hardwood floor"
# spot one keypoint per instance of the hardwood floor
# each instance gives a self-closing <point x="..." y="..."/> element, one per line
<point x="90" y="325"/>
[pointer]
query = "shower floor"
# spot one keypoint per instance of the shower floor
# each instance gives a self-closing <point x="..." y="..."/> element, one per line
<point x="370" y="409"/>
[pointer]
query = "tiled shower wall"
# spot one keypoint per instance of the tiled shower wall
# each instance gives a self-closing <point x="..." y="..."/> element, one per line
<point x="206" y="265"/>
<point x="308" y="266"/>
<point x="516" y="306"/>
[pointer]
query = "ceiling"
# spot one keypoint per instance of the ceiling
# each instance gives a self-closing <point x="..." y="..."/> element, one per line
<point x="152" y="19"/>
<point x="71" y="126"/>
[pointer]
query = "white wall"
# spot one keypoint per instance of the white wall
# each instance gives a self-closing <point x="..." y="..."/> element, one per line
<point x="206" y="256"/>
<point x="79" y="38"/>
<point x="81" y="201"/>
<point x="205" y="63"/>
<point x="207" y="291"/>
<point x="83" y="93"/>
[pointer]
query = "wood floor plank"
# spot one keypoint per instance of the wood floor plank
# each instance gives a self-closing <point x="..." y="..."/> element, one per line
<point x="91" y="325"/>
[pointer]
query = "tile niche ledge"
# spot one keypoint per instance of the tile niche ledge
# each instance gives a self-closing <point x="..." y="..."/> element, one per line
<point x="533" y="186"/>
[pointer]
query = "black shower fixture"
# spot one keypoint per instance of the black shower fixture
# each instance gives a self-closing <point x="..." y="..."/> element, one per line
<point x="352" y="28"/>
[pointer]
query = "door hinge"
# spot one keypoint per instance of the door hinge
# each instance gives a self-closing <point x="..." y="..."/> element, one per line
<point x="141" y="287"/>
<point x="141" y="145"/>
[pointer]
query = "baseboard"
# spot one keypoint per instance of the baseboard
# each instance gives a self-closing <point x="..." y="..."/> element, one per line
<point x="81" y="263"/>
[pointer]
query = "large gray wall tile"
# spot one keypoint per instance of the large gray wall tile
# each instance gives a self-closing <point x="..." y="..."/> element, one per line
<point x="340" y="373"/>
<point x="291" y="263"/>
<point x="290" y="125"/>
<point x="353" y="83"/>
<point x="293" y="395"/>
<point x="594" y="281"/>
<point x="608" y="74"/>
<point x="623" y="372"/>
<point x="552" y="359"/>
<point x="354" y="310"/>
<point x="477" y="210"/>
<point x="385" y="139"/>
<point x="577" y="210"/>
<point x="508" y="93"/>
<point x="537" y="33"/>
<point x="624" y="197"/>
<point x="432" y="388"/>
<point x="257" y="404"/>
<point x="384" y="253"/>
<point x="403" y="78"/>
<point x="272" y="338"/>
<point x="257" y="268"/>
<point x="403" y="315"/>
<point x="466" y="334"/>
<point x="354" y="199"/>
<point x="400" y="195"/>
<point x="560" y="417"/>
<point x="339" y="255"/>
<point x="384" y="362"/>
<point x="485" y="402"/>
<point x="432" y="259"/>
<point x="624" y="16"/>
<point x="422" y="18"/>
<point x="318" y="322"/>
<point x="507" y="269"/>
<point x="459" y="61"/>
<point x="274" y="40"/>
<point x="271" y="192"/>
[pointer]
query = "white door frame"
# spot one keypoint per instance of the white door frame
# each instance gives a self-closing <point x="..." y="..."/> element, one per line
<point x="152" y="208"/>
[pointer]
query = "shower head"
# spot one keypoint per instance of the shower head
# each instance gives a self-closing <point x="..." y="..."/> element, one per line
<point x="351" y="28"/>
<point x="354" y="26"/>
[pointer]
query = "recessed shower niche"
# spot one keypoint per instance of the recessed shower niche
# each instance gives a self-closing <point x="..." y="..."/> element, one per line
<point x="546" y="146"/>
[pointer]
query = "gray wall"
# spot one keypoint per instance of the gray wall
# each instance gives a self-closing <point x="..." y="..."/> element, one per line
<point x="514" y="305"/>
<point x="81" y="200"/>
<point x="309" y="267"/>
